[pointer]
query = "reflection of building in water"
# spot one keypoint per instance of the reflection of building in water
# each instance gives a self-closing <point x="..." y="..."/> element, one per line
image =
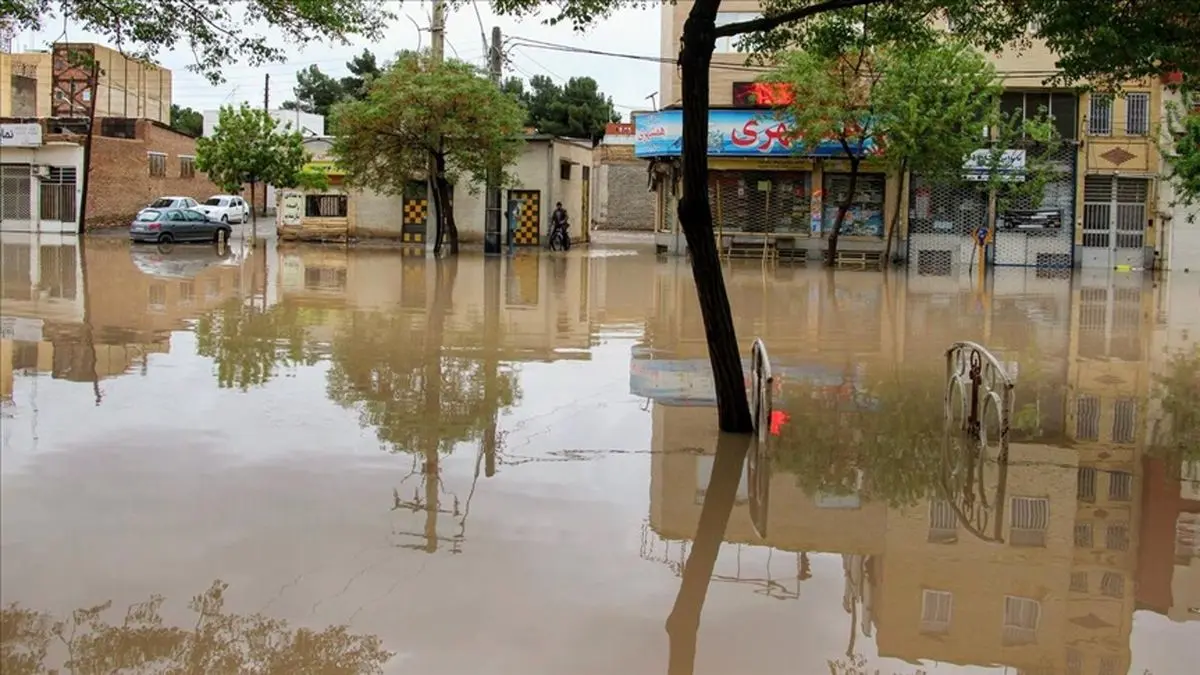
<point x="1107" y="387"/>
<point x="544" y="301"/>
<point x="948" y="595"/>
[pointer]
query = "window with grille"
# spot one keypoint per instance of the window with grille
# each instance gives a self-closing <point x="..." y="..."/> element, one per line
<point x="1124" y="419"/>
<point x="564" y="170"/>
<point x="943" y="523"/>
<point x="158" y="297"/>
<point x="1021" y="619"/>
<point x="59" y="270"/>
<point x="936" y="610"/>
<point x="187" y="166"/>
<point x="1029" y="519"/>
<point x="1100" y="115"/>
<point x="1120" y="486"/>
<point x="1079" y="582"/>
<point x="325" y="278"/>
<point x="1083" y="535"/>
<point x="1116" y="537"/>
<point x="1112" y="584"/>
<point x="58" y="195"/>
<point x="187" y="292"/>
<point x="158" y="164"/>
<point x="1137" y="114"/>
<point x="16" y="191"/>
<point x="727" y="45"/>
<point x="1087" y="418"/>
<point x="1061" y="107"/>
<point x="118" y="127"/>
<point x="1085" y="480"/>
<point x="325" y="206"/>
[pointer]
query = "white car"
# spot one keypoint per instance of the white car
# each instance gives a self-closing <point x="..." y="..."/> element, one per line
<point x="225" y="208"/>
<point x="173" y="203"/>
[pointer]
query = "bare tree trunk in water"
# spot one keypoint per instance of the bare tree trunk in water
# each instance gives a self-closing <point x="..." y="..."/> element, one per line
<point x="843" y="207"/>
<point x="447" y="204"/>
<point x="887" y="247"/>
<point x="89" y="332"/>
<point x="695" y="216"/>
<point x="684" y="620"/>
<point x="445" y="274"/>
<point x="438" y="210"/>
<point x="253" y="219"/>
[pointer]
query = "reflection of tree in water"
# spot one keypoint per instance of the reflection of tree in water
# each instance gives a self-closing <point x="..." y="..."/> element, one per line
<point x="249" y="344"/>
<point x="218" y="642"/>
<point x="1176" y="434"/>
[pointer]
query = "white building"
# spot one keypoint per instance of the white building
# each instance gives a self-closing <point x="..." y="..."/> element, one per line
<point x="308" y="124"/>
<point x="39" y="186"/>
<point x="1181" y="222"/>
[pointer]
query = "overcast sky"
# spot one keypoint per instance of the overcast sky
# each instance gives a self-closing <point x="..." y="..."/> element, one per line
<point x="627" y="81"/>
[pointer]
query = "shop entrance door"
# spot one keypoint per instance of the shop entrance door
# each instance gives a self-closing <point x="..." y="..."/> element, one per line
<point x="1114" y="221"/>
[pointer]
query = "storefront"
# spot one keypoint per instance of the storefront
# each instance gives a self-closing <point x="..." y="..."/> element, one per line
<point x="760" y="185"/>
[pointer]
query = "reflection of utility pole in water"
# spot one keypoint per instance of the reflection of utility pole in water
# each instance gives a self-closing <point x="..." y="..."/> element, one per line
<point x="491" y="345"/>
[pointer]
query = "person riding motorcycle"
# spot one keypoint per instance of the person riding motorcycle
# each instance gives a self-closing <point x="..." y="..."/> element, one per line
<point x="558" y="221"/>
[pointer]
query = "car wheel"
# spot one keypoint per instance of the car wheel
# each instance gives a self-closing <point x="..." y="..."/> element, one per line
<point x="166" y="238"/>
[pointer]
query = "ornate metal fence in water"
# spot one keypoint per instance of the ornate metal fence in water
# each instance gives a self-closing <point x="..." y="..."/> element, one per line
<point x="758" y="459"/>
<point x="978" y="410"/>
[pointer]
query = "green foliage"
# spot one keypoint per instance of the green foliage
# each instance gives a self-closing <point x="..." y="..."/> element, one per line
<point x="1039" y="140"/>
<point x="832" y="98"/>
<point x="218" y="33"/>
<point x="1182" y="148"/>
<point x="417" y="108"/>
<point x="249" y="345"/>
<point x="1177" y="391"/>
<point x="248" y="147"/>
<point x="577" y="109"/>
<point x="317" y="92"/>
<point x="216" y="642"/>
<point x="186" y="120"/>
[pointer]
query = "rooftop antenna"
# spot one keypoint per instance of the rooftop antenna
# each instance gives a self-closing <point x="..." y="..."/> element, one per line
<point x="653" y="98"/>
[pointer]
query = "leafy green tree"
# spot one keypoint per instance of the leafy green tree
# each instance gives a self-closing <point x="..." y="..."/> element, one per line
<point x="1094" y="39"/>
<point x="363" y="70"/>
<point x="186" y="120"/>
<point x="146" y="29"/>
<point x="1177" y="393"/>
<point x="577" y="109"/>
<point x="247" y="146"/>
<point x="315" y="92"/>
<point x="1182" y="148"/>
<point x="417" y="109"/>
<point x="141" y="640"/>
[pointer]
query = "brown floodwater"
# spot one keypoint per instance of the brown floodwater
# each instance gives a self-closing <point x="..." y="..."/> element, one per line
<point x="314" y="459"/>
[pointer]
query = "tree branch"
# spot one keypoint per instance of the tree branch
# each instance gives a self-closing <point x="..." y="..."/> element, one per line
<point x="769" y="22"/>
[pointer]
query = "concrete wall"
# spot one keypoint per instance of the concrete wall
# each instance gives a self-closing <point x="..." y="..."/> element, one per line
<point x="15" y="71"/>
<point x="121" y="183"/>
<point x="132" y="88"/>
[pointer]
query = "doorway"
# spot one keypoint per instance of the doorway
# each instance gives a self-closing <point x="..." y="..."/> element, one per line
<point x="1114" y="221"/>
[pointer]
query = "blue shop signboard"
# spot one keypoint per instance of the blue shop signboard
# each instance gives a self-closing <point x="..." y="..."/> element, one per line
<point x="731" y="133"/>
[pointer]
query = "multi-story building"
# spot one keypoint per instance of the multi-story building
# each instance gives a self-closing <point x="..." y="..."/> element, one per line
<point x="1099" y="210"/>
<point x="48" y="101"/>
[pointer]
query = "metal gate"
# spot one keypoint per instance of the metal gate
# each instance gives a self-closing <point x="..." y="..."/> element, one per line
<point x="416" y="212"/>
<point x="58" y="200"/>
<point x="1052" y="246"/>
<point x="528" y="226"/>
<point x="942" y="223"/>
<point x="15" y="194"/>
<point x="585" y="216"/>
<point x="1114" y="221"/>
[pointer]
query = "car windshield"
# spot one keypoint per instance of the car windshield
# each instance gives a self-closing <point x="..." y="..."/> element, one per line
<point x="214" y="201"/>
<point x="162" y="204"/>
<point x="148" y="216"/>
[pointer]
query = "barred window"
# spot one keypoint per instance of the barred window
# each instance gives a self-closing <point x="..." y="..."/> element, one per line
<point x="158" y="164"/>
<point x="187" y="166"/>
<point x="1137" y="114"/>
<point x="325" y="206"/>
<point x="1100" y="115"/>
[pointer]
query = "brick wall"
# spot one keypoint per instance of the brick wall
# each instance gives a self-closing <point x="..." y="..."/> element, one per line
<point x="628" y="202"/>
<point x="120" y="182"/>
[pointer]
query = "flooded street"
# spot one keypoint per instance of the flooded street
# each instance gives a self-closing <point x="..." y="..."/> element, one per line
<point x="487" y="466"/>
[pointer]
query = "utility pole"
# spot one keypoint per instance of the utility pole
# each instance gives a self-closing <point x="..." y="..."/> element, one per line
<point x="438" y="30"/>
<point x="491" y="225"/>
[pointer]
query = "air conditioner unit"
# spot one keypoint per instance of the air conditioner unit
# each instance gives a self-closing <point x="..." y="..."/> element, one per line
<point x="41" y="171"/>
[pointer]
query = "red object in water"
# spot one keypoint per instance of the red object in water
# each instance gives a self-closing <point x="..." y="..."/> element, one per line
<point x="778" y="419"/>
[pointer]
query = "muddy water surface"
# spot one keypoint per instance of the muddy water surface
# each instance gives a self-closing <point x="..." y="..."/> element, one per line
<point x="483" y="466"/>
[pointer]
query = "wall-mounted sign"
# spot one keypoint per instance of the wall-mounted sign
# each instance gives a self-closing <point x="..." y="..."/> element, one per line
<point x="1038" y="219"/>
<point x="731" y="133"/>
<point x="291" y="207"/>
<point x="1009" y="166"/>
<point x="21" y="135"/>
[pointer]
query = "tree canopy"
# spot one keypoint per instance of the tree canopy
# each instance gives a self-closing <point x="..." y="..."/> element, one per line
<point x="247" y="146"/>
<point x="186" y="120"/>
<point x="317" y="92"/>
<point x="1183" y="148"/>
<point x="146" y="29"/>
<point x="577" y="109"/>
<point x="418" y="108"/>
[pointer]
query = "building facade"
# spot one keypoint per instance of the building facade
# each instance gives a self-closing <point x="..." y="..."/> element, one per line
<point x="550" y="170"/>
<point x="1100" y="209"/>
<point x="623" y="197"/>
